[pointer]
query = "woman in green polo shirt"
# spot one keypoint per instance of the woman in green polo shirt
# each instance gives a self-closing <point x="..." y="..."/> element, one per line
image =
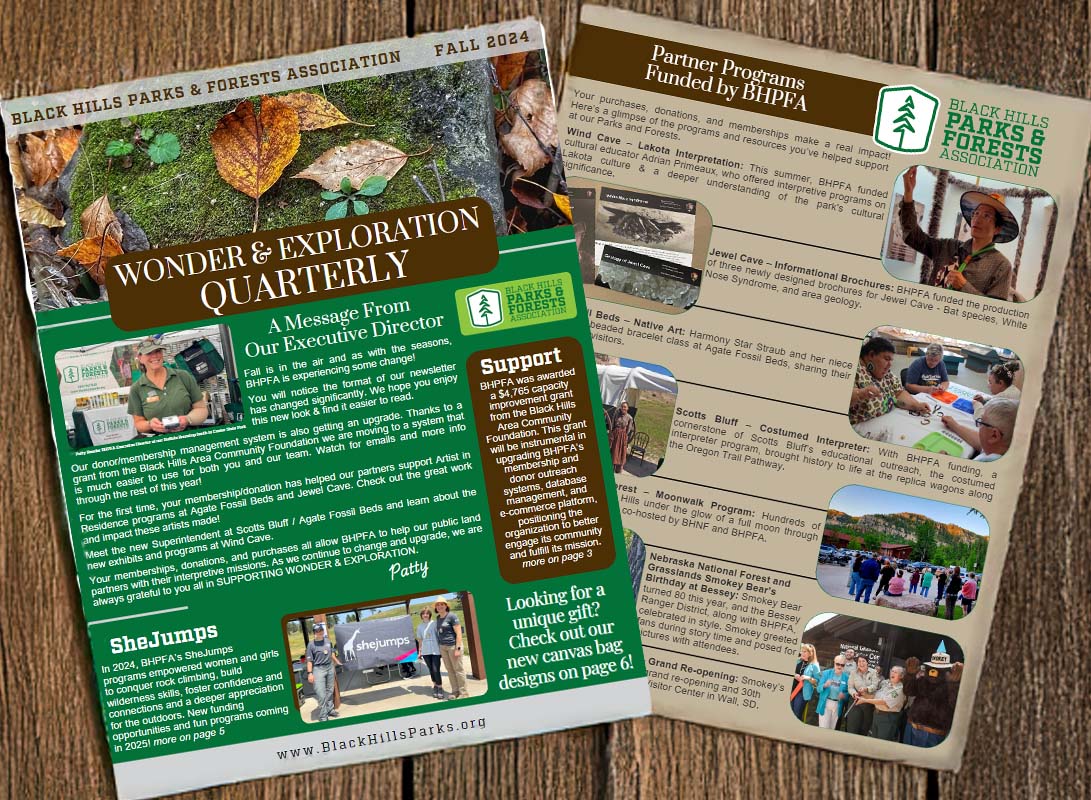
<point x="163" y="393"/>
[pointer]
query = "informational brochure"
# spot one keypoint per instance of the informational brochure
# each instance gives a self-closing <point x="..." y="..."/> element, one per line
<point x="819" y="435"/>
<point x="316" y="349"/>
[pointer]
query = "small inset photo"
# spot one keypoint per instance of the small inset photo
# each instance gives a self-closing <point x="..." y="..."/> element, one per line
<point x="976" y="236"/>
<point x="164" y="384"/>
<point x="903" y="552"/>
<point x="640" y="249"/>
<point x="868" y="678"/>
<point x="639" y="400"/>
<point x="391" y="654"/>
<point x="937" y="394"/>
<point x="637" y="552"/>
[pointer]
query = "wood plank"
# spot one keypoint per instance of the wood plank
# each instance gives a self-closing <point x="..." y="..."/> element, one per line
<point x="1029" y="736"/>
<point x="654" y="758"/>
<point x="52" y="733"/>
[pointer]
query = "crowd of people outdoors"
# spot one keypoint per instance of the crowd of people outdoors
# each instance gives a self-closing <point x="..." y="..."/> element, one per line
<point x="914" y="704"/>
<point x="869" y="573"/>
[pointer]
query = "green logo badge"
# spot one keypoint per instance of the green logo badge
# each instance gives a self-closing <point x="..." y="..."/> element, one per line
<point x="904" y="119"/>
<point x="486" y="308"/>
<point x="515" y="303"/>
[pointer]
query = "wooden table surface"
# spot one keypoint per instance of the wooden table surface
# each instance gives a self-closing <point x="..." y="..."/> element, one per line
<point x="1031" y="732"/>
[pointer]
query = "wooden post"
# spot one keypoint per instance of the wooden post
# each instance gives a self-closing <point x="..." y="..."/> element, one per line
<point x="469" y="625"/>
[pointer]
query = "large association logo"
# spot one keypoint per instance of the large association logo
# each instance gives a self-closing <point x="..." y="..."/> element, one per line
<point x="904" y="118"/>
<point x="486" y="308"/>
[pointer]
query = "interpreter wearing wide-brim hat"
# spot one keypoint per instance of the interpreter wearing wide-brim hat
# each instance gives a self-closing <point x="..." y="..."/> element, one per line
<point x="1007" y="228"/>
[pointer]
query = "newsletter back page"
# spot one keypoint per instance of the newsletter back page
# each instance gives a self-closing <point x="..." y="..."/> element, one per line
<point x="821" y="291"/>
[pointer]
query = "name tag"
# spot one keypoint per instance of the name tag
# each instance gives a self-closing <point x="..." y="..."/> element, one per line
<point x="152" y="398"/>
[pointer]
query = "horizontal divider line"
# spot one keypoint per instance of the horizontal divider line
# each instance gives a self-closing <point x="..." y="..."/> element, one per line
<point x="729" y="561"/>
<point x="761" y="397"/>
<point x="744" y="494"/>
<point x="717" y="660"/>
<point x="793" y="241"/>
<point x="778" y="322"/>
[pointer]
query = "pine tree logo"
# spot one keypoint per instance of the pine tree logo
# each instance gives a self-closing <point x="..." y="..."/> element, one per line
<point x="486" y="308"/>
<point x="904" y="118"/>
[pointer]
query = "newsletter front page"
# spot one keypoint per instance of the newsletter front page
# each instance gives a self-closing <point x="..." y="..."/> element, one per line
<point x="315" y="345"/>
<point x="821" y="291"/>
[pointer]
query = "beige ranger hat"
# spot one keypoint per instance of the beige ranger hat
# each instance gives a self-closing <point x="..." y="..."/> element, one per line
<point x="149" y="345"/>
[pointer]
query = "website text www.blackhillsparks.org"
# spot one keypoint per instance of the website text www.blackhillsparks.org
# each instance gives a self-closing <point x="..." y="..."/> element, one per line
<point x="385" y="737"/>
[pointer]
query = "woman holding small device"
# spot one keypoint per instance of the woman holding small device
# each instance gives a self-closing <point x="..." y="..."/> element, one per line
<point x="164" y="399"/>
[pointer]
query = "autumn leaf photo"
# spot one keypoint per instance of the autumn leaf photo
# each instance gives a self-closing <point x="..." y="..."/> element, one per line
<point x="280" y="159"/>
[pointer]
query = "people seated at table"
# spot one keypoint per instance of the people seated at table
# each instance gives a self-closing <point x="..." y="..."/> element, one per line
<point x="928" y="374"/>
<point x="877" y="390"/>
<point x="1001" y="379"/>
<point x="994" y="426"/>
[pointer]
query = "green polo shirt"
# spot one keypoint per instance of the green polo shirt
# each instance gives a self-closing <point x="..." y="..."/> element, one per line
<point x="176" y="397"/>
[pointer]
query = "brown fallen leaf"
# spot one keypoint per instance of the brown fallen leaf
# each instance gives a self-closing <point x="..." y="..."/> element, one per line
<point x="357" y="161"/>
<point x="15" y="159"/>
<point x="251" y="149"/>
<point x="34" y="213"/>
<point x="316" y="112"/>
<point x="65" y="142"/>
<point x="533" y="135"/>
<point x="509" y="67"/>
<point x="45" y="157"/>
<point x="93" y="253"/>
<point x="98" y="219"/>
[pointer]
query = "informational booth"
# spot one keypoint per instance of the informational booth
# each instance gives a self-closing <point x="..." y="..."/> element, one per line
<point x="94" y="382"/>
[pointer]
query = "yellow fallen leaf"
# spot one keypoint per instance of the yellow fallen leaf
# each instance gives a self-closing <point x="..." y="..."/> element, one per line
<point x="315" y="112"/>
<point x="34" y="213"/>
<point x="564" y="204"/>
<point x="251" y="149"/>
<point x="356" y="161"/>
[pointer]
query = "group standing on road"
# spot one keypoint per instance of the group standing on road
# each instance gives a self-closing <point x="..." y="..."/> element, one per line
<point x="952" y="588"/>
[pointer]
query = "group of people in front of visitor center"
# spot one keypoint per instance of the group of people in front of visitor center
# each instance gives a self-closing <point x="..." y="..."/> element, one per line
<point x="439" y="639"/>
<point x="914" y="704"/>
<point x="883" y="576"/>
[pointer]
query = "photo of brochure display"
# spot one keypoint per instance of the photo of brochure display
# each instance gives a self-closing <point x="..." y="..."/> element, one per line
<point x="857" y="379"/>
<point x="648" y="250"/>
